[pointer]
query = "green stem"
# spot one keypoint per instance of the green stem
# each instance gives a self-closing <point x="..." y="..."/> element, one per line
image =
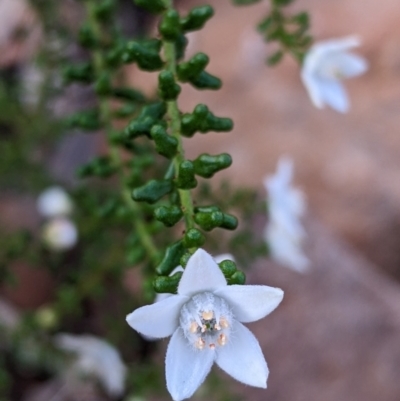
<point x="105" y="112"/>
<point x="174" y="125"/>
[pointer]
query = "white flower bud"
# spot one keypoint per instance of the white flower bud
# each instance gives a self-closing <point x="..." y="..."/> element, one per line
<point x="59" y="234"/>
<point x="53" y="202"/>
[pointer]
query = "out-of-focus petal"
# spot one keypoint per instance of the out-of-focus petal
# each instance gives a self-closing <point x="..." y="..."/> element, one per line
<point x="185" y="367"/>
<point x="334" y="95"/>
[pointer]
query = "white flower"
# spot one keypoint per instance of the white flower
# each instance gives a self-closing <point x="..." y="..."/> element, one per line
<point x="95" y="357"/>
<point x="325" y="65"/>
<point x="54" y="202"/>
<point x="204" y="321"/>
<point x="59" y="234"/>
<point x="284" y="233"/>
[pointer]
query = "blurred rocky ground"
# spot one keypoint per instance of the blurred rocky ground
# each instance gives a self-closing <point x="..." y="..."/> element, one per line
<point x="337" y="332"/>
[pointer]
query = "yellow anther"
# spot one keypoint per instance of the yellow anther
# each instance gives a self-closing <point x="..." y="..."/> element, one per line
<point x="200" y="343"/>
<point x="223" y="323"/>
<point x="207" y="315"/>
<point x="222" y="339"/>
<point x="193" y="327"/>
<point x="203" y="328"/>
<point x="212" y="346"/>
<point x="217" y="327"/>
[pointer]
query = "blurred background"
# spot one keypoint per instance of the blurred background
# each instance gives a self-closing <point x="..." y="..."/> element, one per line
<point x="337" y="333"/>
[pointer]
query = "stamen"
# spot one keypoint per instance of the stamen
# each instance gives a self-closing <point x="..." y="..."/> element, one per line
<point x="212" y="346"/>
<point x="222" y="339"/>
<point x="200" y="343"/>
<point x="193" y="327"/>
<point x="223" y="323"/>
<point x="217" y="326"/>
<point x="203" y="328"/>
<point x="207" y="315"/>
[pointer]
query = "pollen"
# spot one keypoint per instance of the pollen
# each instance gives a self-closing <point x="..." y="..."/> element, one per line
<point x="200" y="343"/>
<point x="193" y="327"/>
<point x="222" y="339"/>
<point x="207" y="315"/>
<point x="223" y="323"/>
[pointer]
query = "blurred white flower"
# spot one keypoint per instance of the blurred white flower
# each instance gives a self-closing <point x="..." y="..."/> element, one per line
<point x="53" y="202"/>
<point x="204" y="321"/>
<point x="94" y="357"/>
<point x="59" y="234"/>
<point x="324" y="67"/>
<point x="284" y="232"/>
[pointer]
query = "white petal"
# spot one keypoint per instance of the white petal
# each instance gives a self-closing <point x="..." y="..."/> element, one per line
<point x="242" y="358"/>
<point x="201" y="274"/>
<point x="286" y="249"/>
<point x="336" y="45"/>
<point x="185" y="367"/>
<point x="334" y="94"/>
<point x="313" y="88"/>
<point x="158" y="320"/>
<point x="251" y="302"/>
<point x="349" y="65"/>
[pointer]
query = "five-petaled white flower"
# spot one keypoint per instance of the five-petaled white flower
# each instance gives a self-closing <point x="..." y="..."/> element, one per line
<point x="95" y="357"/>
<point x="325" y="65"/>
<point x="284" y="234"/>
<point x="204" y="321"/>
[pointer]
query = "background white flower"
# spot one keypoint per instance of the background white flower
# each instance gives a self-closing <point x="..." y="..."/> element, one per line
<point x="325" y="65"/>
<point x="284" y="232"/>
<point x="97" y="358"/>
<point x="204" y="321"/>
<point x="54" y="202"/>
<point x="59" y="234"/>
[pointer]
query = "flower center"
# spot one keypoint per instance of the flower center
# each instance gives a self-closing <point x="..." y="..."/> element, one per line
<point x="206" y="321"/>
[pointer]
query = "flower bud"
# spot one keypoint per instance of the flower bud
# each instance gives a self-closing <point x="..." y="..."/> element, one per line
<point x="169" y="26"/>
<point x="171" y="258"/>
<point x="229" y="222"/>
<point x="166" y="145"/>
<point x="169" y="216"/>
<point x="167" y="283"/>
<point x="206" y="81"/>
<point x="228" y="267"/>
<point x="152" y="191"/>
<point x="206" y="165"/>
<point x="145" y="53"/>
<point x="193" y="238"/>
<point x="150" y="115"/>
<point x="196" y="18"/>
<point x="59" y="234"/>
<point x="209" y="220"/>
<point x="186" y="178"/>
<point x="191" y="69"/>
<point x="168" y="88"/>
<point x="237" y="278"/>
<point x="54" y="202"/>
